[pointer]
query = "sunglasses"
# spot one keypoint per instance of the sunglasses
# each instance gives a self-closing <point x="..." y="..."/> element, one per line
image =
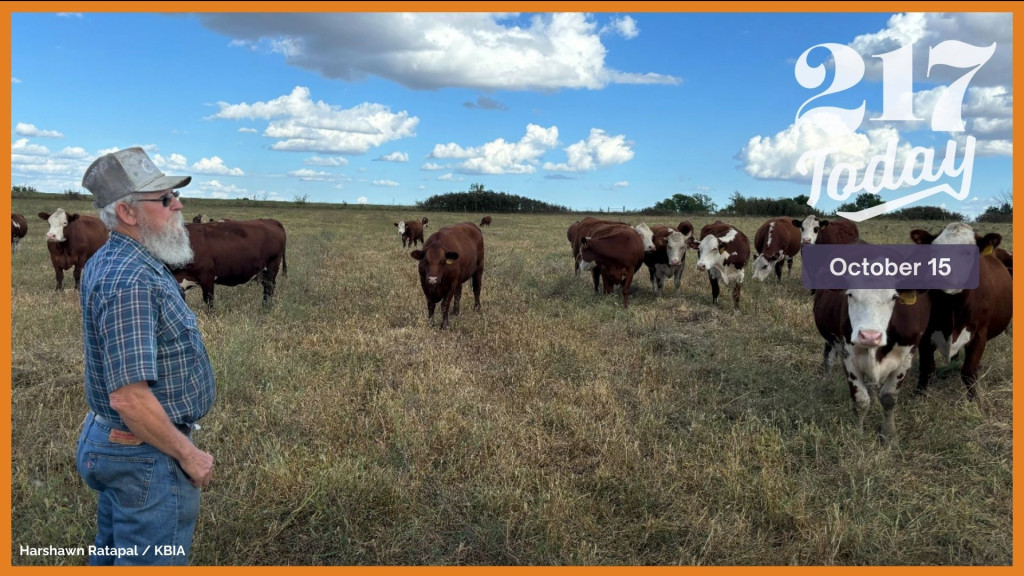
<point x="166" y="199"/>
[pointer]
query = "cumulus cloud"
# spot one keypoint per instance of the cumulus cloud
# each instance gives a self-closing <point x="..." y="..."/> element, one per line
<point x="215" y="166"/>
<point x="15" y="80"/>
<point x="299" y="124"/>
<point x="362" y="200"/>
<point x="428" y="51"/>
<point x="499" y="156"/>
<point x="321" y="161"/>
<point x="621" y="184"/>
<point x="69" y="15"/>
<point x="212" y="166"/>
<point x="624" y="26"/>
<point x="432" y="166"/>
<point x="485" y="103"/>
<point x="30" y="130"/>
<point x="393" y="157"/>
<point x="307" y="175"/>
<point x="214" y="189"/>
<point x="445" y="177"/>
<point x="987" y="114"/>
<point x="597" y="151"/>
<point x="388" y="183"/>
<point x="248" y="131"/>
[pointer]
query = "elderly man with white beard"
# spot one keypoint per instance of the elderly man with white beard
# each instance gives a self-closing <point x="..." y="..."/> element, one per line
<point x="148" y="379"/>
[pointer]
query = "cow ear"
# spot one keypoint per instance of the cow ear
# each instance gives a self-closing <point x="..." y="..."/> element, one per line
<point x="909" y="297"/>
<point x="721" y="249"/>
<point x="417" y="254"/>
<point x="798" y="223"/>
<point x="396" y="223"/>
<point x="693" y="244"/>
<point x="72" y="218"/>
<point x="989" y="243"/>
<point x="450" y="257"/>
<point x="44" y="215"/>
<point x="921" y="236"/>
<point x="822" y="224"/>
<point x="585" y="242"/>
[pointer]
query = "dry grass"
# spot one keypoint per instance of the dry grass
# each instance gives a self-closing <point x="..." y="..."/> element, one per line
<point x="551" y="428"/>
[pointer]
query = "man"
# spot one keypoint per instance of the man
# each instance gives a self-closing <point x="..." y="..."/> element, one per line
<point x="148" y="378"/>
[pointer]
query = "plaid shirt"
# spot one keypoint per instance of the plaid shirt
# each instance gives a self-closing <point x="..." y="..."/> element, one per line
<point x="137" y="326"/>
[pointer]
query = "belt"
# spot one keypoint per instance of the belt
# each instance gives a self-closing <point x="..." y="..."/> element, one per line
<point x="185" y="429"/>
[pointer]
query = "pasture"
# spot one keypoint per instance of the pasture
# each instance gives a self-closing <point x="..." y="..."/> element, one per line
<point x="551" y="428"/>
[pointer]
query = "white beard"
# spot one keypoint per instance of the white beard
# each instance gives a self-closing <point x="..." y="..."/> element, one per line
<point x="170" y="245"/>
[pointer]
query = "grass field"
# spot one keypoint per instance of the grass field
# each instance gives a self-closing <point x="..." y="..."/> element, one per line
<point x="553" y="427"/>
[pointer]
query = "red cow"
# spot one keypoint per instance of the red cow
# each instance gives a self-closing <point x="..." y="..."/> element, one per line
<point x="877" y="331"/>
<point x="617" y="252"/>
<point x="776" y="243"/>
<point x="411" y="231"/>
<point x="449" y="257"/>
<point x="19" y="228"/>
<point x="486" y="221"/>
<point x="668" y="257"/>
<point x="723" y="252"/>
<point x="72" y="240"/>
<point x="966" y="319"/>
<point x="233" y="253"/>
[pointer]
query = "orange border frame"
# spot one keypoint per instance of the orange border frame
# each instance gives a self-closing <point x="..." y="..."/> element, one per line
<point x="524" y="6"/>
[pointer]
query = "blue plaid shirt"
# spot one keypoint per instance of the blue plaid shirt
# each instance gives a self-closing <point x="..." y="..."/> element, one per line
<point x="137" y="326"/>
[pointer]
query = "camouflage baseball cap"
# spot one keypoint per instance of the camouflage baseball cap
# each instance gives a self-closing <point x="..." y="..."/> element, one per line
<point x="113" y="176"/>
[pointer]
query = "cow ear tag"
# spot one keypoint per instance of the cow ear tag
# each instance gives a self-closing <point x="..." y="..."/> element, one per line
<point x="908" y="298"/>
<point x="987" y="250"/>
<point x="448" y="261"/>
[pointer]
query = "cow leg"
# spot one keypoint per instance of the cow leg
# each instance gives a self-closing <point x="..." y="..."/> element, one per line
<point x="677" y="274"/>
<point x="826" y="359"/>
<point x="207" y="285"/>
<point x="860" y="396"/>
<point x="595" y="272"/>
<point x="478" y="281"/>
<point x="654" y="279"/>
<point x="77" y="273"/>
<point x="789" y="267"/>
<point x="926" y="361"/>
<point x="736" y="294"/>
<point x="430" y="308"/>
<point x="887" y="397"/>
<point x="445" y="305"/>
<point x="269" y="279"/>
<point x="60" y="278"/>
<point x="458" y="299"/>
<point x="778" y="270"/>
<point x="972" y="359"/>
<point x="714" y="288"/>
<point x="625" y="289"/>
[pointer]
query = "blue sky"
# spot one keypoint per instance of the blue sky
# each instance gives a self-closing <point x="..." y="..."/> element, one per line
<point x="590" y="111"/>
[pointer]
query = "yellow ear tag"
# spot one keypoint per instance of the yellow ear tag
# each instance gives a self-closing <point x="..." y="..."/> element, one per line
<point x="721" y="250"/>
<point x="448" y="261"/>
<point x="908" y="298"/>
<point x="988" y="250"/>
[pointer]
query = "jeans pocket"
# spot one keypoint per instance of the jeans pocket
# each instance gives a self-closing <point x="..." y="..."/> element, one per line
<point x="127" y="477"/>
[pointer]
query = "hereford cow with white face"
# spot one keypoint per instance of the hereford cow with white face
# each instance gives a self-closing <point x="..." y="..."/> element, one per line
<point x="776" y="243"/>
<point x="72" y="240"/>
<point x="722" y="252"/>
<point x="967" y="319"/>
<point x="667" y="258"/>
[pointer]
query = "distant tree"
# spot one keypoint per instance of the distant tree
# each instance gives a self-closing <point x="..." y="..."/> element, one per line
<point x="924" y="213"/>
<point x="767" y="207"/>
<point x="478" y="199"/>
<point x="686" y="204"/>
<point x="862" y="202"/>
<point x="1002" y="212"/>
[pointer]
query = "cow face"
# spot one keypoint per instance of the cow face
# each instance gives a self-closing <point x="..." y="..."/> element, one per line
<point x="58" y="220"/>
<point x="870" y="311"/>
<point x="958" y="233"/>
<point x="712" y="250"/>
<point x="401" y="228"/>
<point x="675" y="248"/>
<point x="809" y="229"/>
<point x="434" y="263"/>
<point x="763" y="265"/>
<point x="646" y="235"/>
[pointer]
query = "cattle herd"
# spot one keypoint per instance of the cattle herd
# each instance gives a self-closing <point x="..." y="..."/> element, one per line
<point x="875" y="332"/>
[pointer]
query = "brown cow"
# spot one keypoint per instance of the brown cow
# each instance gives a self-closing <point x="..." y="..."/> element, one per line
<point x="449" y="257"/>
<point x="411" y="231"/>
<point x="72" y="240"/>
<point x="776" y="242"/>
<point x="723" y="252"/>
<point x="486" y="221"/>
<point x="19" y="228"/>
<point x="233" y="253"/>
<point x="201" y="219"/>
<point x="617" y="252"/>
<point x="966" y="319"/>
<point x="814" y="231"/>
<point x="1006" y="257"/>
<point x="877" y="331"/>
<point x="668" y="257"/>
<point x="585" y="227"/>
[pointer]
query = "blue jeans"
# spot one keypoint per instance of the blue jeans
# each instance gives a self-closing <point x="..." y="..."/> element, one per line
<point x="147" y="506"/>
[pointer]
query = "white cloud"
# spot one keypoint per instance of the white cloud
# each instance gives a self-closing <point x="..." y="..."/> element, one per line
<point x="307" y="175"/>
<point x="215" y="166"/>
<point x="432" y="166"/>
<point x="321" y="161"/>
<point x="299" y="124"/>
<point x="621" y="184"/>
<point x="499" y="156"/>
<point x="445" y="177"/>
<point x="248" y="131"/>
<point x="428" y="51"/>
<point x="987" y="113"/>
<point x="625" y="27"/>
<point x="597" y="151"/>
<point x="69" y="15"/>
<point x="388" y="183"/>
<point x="15" y="80"/>
<point x="30" y="130"/>
<point x="215" y="189"/>
<point x="362" y="200"/>
<point x="394" y="157"/>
